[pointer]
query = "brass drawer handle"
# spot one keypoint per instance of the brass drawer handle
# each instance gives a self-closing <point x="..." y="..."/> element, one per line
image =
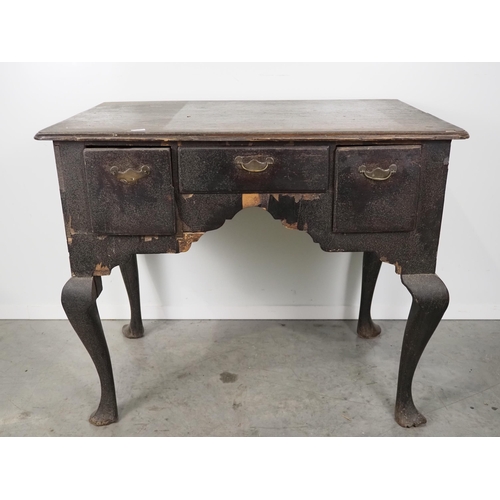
<point x="254" y="165"/>
<point x="130" y="176"/>
<point x="377" y="173"/>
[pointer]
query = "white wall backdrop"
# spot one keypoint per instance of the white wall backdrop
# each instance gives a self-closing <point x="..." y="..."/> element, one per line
<point x="252" y="267"/>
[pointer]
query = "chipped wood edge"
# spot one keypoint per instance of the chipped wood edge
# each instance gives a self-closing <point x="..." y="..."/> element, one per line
<point x="101" y="270"/>
<point x="185" y="240"/>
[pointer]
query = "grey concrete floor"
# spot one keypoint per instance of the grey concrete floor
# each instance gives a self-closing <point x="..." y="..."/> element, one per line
<point x="248" y="378"/>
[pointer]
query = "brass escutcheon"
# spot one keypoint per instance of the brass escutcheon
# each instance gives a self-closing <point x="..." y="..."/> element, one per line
<point x="130" y="176"/>
<point x="377" y="173"/>
<point x="254" y="165"/>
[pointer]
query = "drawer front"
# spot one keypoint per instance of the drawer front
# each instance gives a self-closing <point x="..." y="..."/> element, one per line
<point x="376" y="188"/>
<point x="252" y="170"/>
<point x="130" y="190"/>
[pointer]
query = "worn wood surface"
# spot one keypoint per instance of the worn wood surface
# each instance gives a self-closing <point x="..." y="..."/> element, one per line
<point x="253" y="120"/>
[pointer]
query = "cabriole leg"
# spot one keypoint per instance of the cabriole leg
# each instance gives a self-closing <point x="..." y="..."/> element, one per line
<point x="78" y="298"/>
<point x="371" y="267"/>
<point x="130" y="273"/>
<point x="430" y="300"/>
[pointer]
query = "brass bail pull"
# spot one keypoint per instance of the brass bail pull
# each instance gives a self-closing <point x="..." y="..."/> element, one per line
<point x="377" y="173"/>
<point x="253" y="164"/>
<point x="131" y="175"/>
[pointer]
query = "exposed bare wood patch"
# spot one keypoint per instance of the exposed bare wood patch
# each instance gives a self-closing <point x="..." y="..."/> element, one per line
<point x="187" y="196"/>
<point x="297" y="196"/>
<point x="185" y="240"/>
<point x="289" y="226"/>
<point x="310" y="196"/>
<point x="149" y="238"/>
<point x="102" y="237"/>
<point x="101" y="270"/>
<point x="397" y="265"/>
<point x="251" y="200"/>
<point x="69" y="230"/>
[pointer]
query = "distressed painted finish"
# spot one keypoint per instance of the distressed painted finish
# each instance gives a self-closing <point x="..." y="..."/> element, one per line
<point x="357" y="176"/>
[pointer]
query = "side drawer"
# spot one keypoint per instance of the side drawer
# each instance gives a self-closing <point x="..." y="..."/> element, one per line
<point x="376" y="188"/>
<point x="130" y="190"/>
<point x="296" y="169"/>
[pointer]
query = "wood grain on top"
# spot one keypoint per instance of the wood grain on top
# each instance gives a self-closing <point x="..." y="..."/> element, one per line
<point x="253" y="120"/>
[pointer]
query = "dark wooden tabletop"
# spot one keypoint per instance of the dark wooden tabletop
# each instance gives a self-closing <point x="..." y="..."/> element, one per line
<point x="253" y="120"/>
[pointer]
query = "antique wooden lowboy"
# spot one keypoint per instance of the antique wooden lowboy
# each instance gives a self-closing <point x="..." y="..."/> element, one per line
<point x="152" y="177"/>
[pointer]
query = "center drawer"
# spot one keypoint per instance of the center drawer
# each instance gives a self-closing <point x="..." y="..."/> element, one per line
<point x="296" y="169"/>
